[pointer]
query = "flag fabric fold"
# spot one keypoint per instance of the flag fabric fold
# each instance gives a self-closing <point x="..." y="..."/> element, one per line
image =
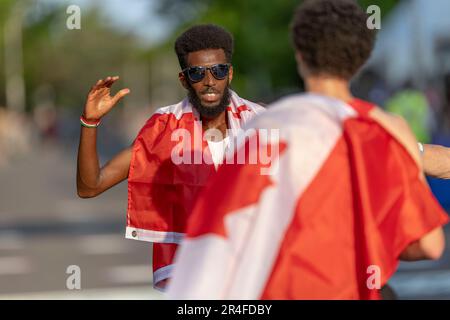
<point x="344" y="198"/>
<point x="161" y="193"/>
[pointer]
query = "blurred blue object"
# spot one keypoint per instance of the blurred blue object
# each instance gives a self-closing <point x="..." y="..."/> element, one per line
<point x="441" y="190"/>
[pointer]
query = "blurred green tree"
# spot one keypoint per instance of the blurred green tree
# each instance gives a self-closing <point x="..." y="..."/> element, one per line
<point x="67" y="62"/>
<point x="71" y="61"/>
<point x="11" y="69"/>
<point x="264" y="62"/>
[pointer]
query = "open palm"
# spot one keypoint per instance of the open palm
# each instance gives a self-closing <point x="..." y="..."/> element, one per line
<point x="99" y="101"/>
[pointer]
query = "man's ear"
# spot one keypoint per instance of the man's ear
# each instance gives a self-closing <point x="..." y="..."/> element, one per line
<point x="298" y="57"/>
<point x="230" y="75"/>
<point x="183" y="80"/>
<point x="301" y="68"/>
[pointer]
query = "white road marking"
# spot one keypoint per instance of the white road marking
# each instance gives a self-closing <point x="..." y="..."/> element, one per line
<point x="103" y="244"/>
<point x="126" y="293"/>
<point x="132" y="274"/>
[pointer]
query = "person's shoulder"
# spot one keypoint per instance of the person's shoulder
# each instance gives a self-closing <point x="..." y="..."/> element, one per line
<point x="240" y="104"/>
<point x="257" y="108"/>
<point x="278" y="107"/>
<point x="299" y="105"/>
<point x="400" y="129"/>
<point x="171" y="112"/>
<point x="176" y="110"/>
<point x="300" y="110"/>
<point x="163" y="115"/>
<point x="392" y="121"/>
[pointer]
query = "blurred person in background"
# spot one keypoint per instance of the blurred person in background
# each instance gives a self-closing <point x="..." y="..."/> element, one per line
<point x="444" y="111"/>
<point x="45" y="115"/>
<point x="346" y="200"/>
<point x="45" y="118"/>
<point x="161" y="193"/>
<point x="413" y="106"/>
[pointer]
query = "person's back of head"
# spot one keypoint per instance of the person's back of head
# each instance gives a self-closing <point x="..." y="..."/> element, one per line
<point x="331" y="37"/>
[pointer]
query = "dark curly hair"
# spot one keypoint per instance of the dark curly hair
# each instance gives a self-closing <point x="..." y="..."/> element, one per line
<point x="332" y="36"/>
<point x="202" y="37"/>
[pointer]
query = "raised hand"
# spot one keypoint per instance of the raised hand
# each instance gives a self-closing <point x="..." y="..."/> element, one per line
<point x="99" y="100"/>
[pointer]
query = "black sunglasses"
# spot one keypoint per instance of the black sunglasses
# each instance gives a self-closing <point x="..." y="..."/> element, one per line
<point x="196" y="74"/>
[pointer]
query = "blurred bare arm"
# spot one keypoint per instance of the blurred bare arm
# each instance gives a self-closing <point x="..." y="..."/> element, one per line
<point x="91" y="179"/>
<point x="436" y="161"/>
<point x="431" y="246"/>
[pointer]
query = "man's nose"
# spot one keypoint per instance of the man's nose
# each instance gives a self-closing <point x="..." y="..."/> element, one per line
<point x="209" y="79"/>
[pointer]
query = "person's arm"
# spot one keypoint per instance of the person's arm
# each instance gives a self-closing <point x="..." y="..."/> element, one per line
<point x="91" y="179"/>
<point x="431" y="246"/>
<point x="436" y="161"/>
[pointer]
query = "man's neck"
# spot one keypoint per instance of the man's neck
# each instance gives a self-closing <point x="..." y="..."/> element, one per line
<point x="329" y="86"/>
<point x="219" y="123"/>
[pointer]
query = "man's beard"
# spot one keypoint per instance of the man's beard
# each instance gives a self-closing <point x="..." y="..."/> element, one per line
<point x="209" y="112"/>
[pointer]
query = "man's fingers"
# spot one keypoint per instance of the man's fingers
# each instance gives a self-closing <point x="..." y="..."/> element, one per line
<point x="104" y="83"/>
<point x="119" y="95"/>
<point x="111" y="81"/>
<point x="96" y="85"/>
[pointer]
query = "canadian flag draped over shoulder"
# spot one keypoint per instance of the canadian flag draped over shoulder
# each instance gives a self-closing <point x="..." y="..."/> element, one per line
<point x="345" y="195"/>
<point x="161" y="193"/>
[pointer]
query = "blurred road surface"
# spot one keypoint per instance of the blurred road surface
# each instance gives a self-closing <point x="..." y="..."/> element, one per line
<point x="45" y="227"/>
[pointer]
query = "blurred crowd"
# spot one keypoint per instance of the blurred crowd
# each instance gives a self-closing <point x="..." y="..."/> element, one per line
<point x="426" y="110"/>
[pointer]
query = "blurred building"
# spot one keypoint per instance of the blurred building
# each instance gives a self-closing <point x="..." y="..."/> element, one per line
<point x="414" y="43"/>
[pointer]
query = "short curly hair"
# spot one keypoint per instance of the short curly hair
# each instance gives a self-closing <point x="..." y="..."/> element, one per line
<point x="332" y="36"/>
<point x="203" y="37"/>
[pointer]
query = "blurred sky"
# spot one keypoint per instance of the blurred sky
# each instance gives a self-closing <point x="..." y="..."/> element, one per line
<point x="137" y="16"/>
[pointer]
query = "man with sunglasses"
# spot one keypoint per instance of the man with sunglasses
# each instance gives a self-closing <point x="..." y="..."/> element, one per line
<point x="161" y="193"/>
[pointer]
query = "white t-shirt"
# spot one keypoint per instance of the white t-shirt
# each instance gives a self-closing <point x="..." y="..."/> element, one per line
<point x="218" y="150"/>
